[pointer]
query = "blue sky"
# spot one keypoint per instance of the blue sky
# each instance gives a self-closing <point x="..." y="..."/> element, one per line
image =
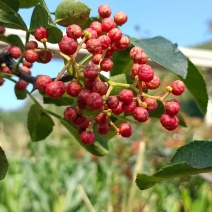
<point x="184" y="22"/>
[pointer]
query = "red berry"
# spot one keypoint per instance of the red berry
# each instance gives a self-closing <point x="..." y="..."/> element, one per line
<point x="178" y="87"/>
<point x="1" y="81"/>
<point x="21" y="85"/>
<point x="135" y="50"/>
<point x="88" y="84"/>
<point x="103" y="128"/>
<point x="30" y="56"/>
<point x="73" y="89"/>
<point x="140" y="58"/>
<point x="97" y="26"/>
<point x="41" y="34"/>
<point x="70" y="114"/>
<point x="25" y="70"/>
<point x="87" y="137"/>
<point x="118" y="110"/>
<point x="42" y="81"/>
<point x="105" y="41"/>
<point x="126" y="96"/>
<point x="123" y="43"/>
<point x="27" y="64"/>
<point x="134" y="70"/>
<point x="2" y="30"/>
<point x="104" y="11"/>
<point x="169" y="122"/>
<point x="101" y="118"/>
<point x="120" y="18"/>
<point x="82" y="96"/>
<point x="115" y="34"/>
<point x="94" y="101"/>
<point x="106" y="64"/>
<point x="125" y="130"/>
<point x="68" y="45"/>
<point x="15" y="52"/>
<point x="93" y="46"/>
<point x="5" y="70"/>
<point x="32" y="44"/>
<point x="74" y="31"/>
<point x="172" y="108"/>
<point x="81" y="121"/>
<point x="55" y="89"/>
<point x="140" y="114"/>
<point x="91" y="72"/>
<point x="145" y="73"/>
<point x="128" y="108"/>
<point x="100" y="87"/>
<point x="107" y="24"/>
<point x="112" y="102"/>
<point x="154" y="83"/>
<point x="97" y="58"/>
<point x="44" y="57"/>
<point x="151" y="104"/>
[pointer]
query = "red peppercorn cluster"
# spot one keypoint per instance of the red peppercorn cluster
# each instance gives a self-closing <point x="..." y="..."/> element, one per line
<point x="88" y="87"/>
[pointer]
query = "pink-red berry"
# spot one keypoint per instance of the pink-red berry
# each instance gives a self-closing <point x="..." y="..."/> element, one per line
<point x="42" y="81"/>
<point x="70" y="114"/>
<point x="104" y="11"/>
<point x="126" y="96"/>
<point x="120" y="18"/>
<point x="94" y="101"/>
<point x="169" y="122"/>
<point x="145" y="73"/>
<point x="68" y="45"/>
<point x="30" y="56"/>
<point x="87" y="137"/>
<point x="178" y="87"/>
<point x="172" y="108"/>
<point x="140" y="114"/>
<point x="74" y="31"/>
<point x="73" y="89"/>
<point x="41" y="34"/>
<point x="125" y="130"/>
<point x="55" y="89"/>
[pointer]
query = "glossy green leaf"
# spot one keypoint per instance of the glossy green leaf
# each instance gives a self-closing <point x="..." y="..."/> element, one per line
<point x="28" y="3"/>
<point x="182" y="169"/>
<point x="40" y="17"/>
<point x="3" y="164"/>
<point x="197" y="87"/>
<point x="16" y="41"/>
<point x="99" y="147"/>
<point x="40" y="125"/>
<point x="63" y="101"/>
<point x="165" y="53"/>
<point x="20" y="94"/>
<point x="193" y="158"/>
<point x="10" y="18"/>
<point x="13" y="4"/>
<point x="122" y="62"/>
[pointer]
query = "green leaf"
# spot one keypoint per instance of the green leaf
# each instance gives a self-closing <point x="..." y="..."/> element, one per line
<point x="165" y="53"/>
<point x="197" y="87"/>
<point x="10" y="18"/>
<point x="28" y="3"/>
<point x="40" y="17"/>
<point x="122" y="62"/>
<point x="197" y="154"/>
<point x="3" y="164"/>
<point x="40" y="125"/>
<point x="63" y="101"/>
<point x="193" y="158"/>
<point x="16" y="41"/>
<point x="182" y="169"/>
<point x="99" y="147"/>
<point x="13" y="4"/>
<point x="20" y="94"/>
<point x="71" y="12"/>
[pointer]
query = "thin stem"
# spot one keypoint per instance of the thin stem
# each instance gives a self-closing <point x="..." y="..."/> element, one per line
<point x="85" y="59"/>
<point x="63" y="70"/>
<point x="53" y="114"/>
<point x="114" y="126"/>
<point x="33" y="99"/>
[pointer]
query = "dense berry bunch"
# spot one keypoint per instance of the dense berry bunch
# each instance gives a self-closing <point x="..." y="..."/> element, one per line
<point x="95" y="101"/>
